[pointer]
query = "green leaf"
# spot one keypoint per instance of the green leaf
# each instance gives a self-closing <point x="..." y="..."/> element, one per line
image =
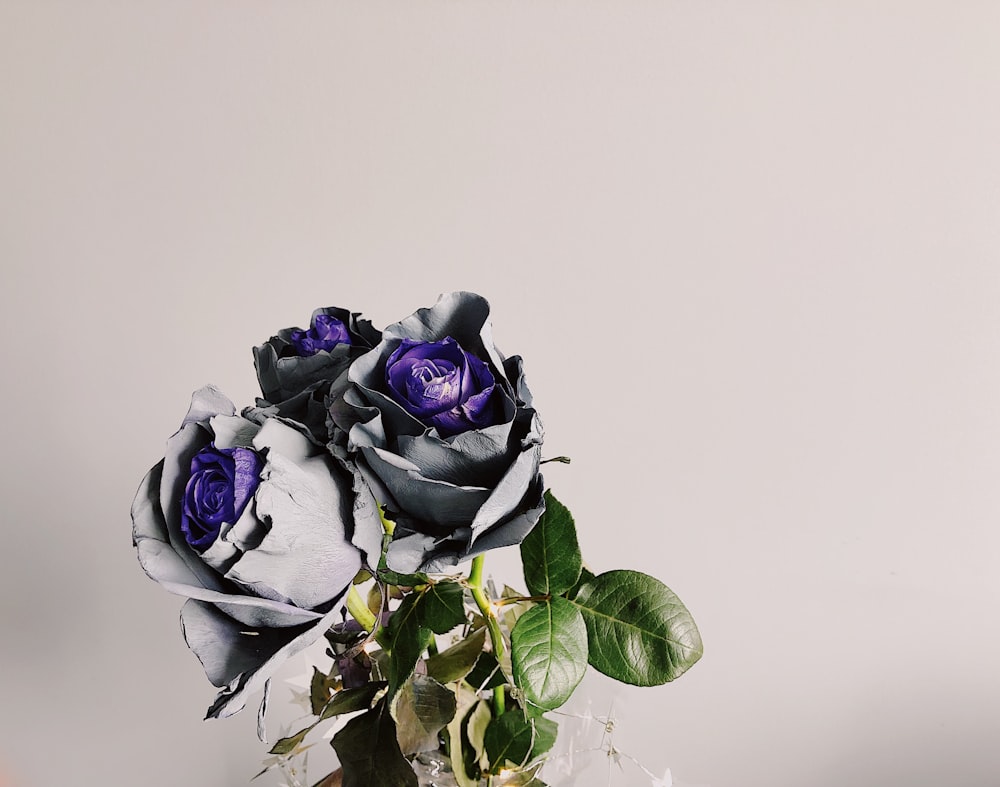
<point x="287" y="745"/>
<point x="343" y="637"/>
<point x="524" y="778"/>
<point x="550" y="552"/>
<point x="458" y="740"/>
<point x="456" y="662"/>
<point x="475" y="729"/>
<point x="486" y="674"/>
<point x="346" y="701"/>
<point x="443" y="607"/>
<point x="586" y="575"/>
<point x="351" y="700"/>
<point x="391" y="577"/>
<point x="517" y="739"/>
<point x="369" y="753"/>
<point x="638" y="631"/>
<point x="421" y="708"/>
<point x="549" y="652"/>
<point x="436" y="608"/>
<point x="511" y="611"/>
<point x="320" y="689"/>
<point x="407" y="639"/>
<point x="546" y="731"/>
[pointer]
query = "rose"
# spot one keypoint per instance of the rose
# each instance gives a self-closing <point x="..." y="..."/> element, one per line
<point x="251" y="521"/>
<point x="296" y="360"/>
<point x="296" y="368"/>
<point x="441" y="430"/>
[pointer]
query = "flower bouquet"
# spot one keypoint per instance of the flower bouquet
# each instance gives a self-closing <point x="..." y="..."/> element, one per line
<point x="339" y="507"/>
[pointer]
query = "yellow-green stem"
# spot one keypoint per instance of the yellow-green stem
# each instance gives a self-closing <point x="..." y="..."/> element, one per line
<point x="359" y="610"/>
<point x="492" y="625"/>
<point x="387" y="524"/>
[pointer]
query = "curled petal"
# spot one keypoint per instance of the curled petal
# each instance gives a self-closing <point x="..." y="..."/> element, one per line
<point x="447" y="505"/>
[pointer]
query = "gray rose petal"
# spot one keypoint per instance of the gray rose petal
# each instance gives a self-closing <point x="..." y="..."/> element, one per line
<point x="475" y="457"/>
<point x="305" y="556"/>
<point x="239" y="658"/>
<point x="447" y="505"/>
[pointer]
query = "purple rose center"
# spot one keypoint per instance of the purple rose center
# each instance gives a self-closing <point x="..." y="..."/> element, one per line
<point x="325" y="334"/>
<point x="442" y="385"/>
<point x="221" y="483"/>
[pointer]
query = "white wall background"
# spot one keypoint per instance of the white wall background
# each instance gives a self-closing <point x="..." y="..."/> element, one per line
<point x="749" y="250"/>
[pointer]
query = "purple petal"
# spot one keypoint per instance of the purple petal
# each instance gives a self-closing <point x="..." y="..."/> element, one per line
<point x="442" y="385"/>
<point x="326" y="333"/>
<point x="247" y="465"/>
<point x="220" y="485"/>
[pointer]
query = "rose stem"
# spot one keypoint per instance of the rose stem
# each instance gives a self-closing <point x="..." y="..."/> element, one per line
<point x="359" y="610"/>
<point x="479" y="594"/>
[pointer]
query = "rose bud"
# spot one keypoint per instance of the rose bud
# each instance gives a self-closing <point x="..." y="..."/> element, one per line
<point x="296" y="368"/>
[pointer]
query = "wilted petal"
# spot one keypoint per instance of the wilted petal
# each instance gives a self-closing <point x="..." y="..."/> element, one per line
<point x="248" y="531"/>
<point x="412" y="551"/>
<point x="281" y="378"/>
<point x="162" y="564"/>
<point x="221" y="554"/>
<point x="147" y="516"/>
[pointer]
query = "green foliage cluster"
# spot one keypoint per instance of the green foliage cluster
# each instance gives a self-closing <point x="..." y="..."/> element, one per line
<point x="510" y="660"/>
